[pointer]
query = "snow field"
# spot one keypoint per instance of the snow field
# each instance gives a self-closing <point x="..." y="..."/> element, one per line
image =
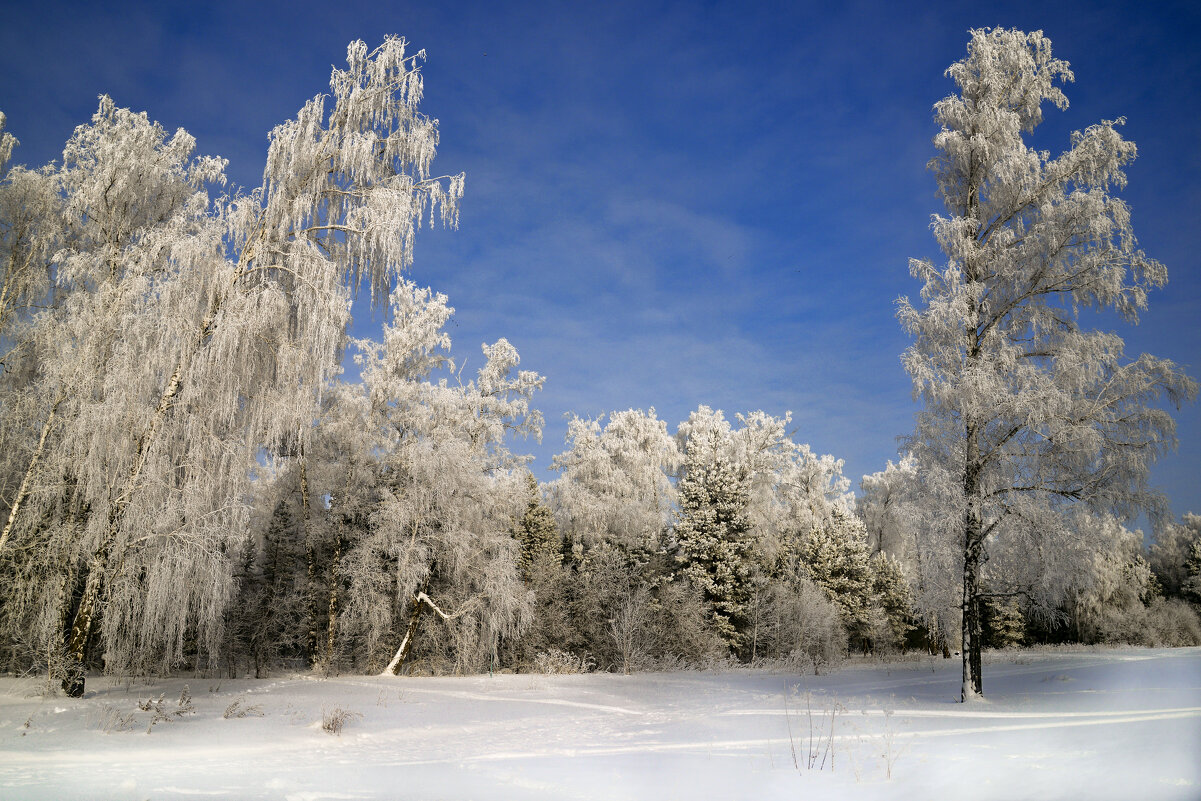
<point x="1115" y="724"/>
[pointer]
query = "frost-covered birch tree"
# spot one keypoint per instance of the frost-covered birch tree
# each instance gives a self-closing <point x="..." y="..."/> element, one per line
<point x="438" y="534"/>
<point x="896" y="510"/>
<point x="31" y="229"/>
<point x="133" y="209"/>
<point x="790" y="490"/>
<point x="196" y="334"/>
<point x="614" y="481"/>
<point x="1027" y="413"/>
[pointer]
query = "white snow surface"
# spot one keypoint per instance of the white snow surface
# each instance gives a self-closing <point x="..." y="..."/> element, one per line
<point x="1060" y="724"/>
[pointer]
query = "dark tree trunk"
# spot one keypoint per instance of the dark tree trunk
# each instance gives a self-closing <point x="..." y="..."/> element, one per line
<point x="972" y="630"/>
<point x="81" y="629"/>
<point x="313" y="642"/>
<point x="333" y="605"/>
<point x="973" y="545"/>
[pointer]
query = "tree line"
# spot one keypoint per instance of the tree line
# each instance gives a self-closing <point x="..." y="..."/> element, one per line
<point x="188" y="481"/>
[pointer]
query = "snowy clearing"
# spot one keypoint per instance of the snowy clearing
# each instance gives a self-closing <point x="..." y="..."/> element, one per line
<point x="1114" y="724"/>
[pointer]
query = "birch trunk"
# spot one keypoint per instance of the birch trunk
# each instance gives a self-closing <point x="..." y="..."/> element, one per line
<point x="27" y="480"/>
<point x="973" y="545"/>
<point x="972" y="632"/>
<point x="406" y="645"/>
<point x="81" y="628"/>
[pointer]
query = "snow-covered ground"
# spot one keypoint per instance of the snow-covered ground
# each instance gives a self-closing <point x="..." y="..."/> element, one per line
<point x="1121" y="724"/>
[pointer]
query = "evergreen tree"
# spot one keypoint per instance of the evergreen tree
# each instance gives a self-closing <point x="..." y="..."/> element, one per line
<point x="836" y="559"/>
<point x="1004" y="623"/>
<point x="536" y="531"/>
<point x="1169" y="554"/>
<point x="1191" y="588"/>
<point x="894" y="598"/>
<point x="713" y="534"/>
<point x="268" y="615"/>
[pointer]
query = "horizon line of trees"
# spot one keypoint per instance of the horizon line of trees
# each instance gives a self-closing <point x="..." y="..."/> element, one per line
<point x="187" y="481"/>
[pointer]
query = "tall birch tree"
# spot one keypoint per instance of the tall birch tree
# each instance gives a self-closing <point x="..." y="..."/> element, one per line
<point x="1026" y="412"/>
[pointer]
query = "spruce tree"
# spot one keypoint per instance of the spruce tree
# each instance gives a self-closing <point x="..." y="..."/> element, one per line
<point x="1004" y="622"/>
<point x="835" y="556"/>
<point x="714" y="535"/>
<point x="536" y="531"/>
<point x="894" y="599"/>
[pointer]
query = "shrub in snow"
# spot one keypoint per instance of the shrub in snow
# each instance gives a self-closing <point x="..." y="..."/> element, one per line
<point x="163" y="713"/>
<point x="1173" y="623"/>
<point x="111" y="719"/>
<point x="820" y="640"/>
<point x="680" y="632"/>
<point x="796" y="623"/>
<point x="1162" y="623"/>
<point x="237" y="710"/>
<point x="334" y="720"/>
<point x="556" y="662"/>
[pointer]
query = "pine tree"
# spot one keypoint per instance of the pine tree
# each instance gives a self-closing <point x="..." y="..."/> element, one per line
<point x="836" y="559"/>
<point x="891" y="592"/>
<point x="1191" y="587"/>
<point x="714" y="536"/>
<point x="536" y="531"/>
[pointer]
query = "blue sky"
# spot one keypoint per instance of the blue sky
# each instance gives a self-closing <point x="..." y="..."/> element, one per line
<point x="667" y="204"/>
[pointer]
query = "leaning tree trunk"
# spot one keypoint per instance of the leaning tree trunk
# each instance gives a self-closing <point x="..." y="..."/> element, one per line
<point x="406" y="645"/>
<point x="30" y="472"/>
<point x="81" y="628"/>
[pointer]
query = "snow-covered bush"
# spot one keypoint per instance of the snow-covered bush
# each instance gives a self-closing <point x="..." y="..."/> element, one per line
<point x="1173" y="623"/>
<point x="1168" y="623"/>
<point x="556" y="662"/>
<point x="239" y="709"/>
<point x="334" y="720"/>
<point x="797" y="624"/>
<point x="681" y="636"/>
<point x="821" y="639"/>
